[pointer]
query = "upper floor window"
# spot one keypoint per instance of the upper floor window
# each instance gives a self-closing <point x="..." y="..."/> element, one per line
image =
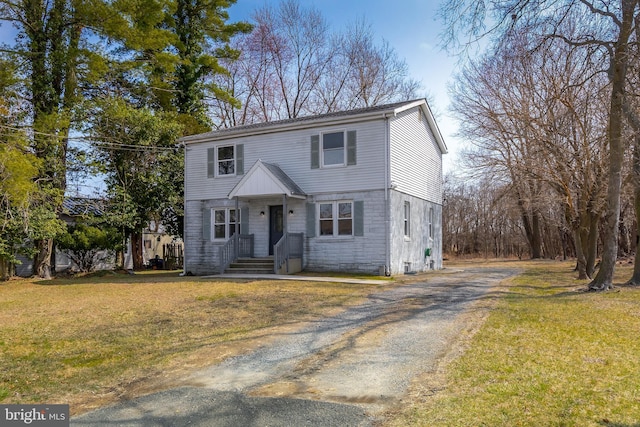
<point x="225" y="160"/>
<point x="332" y="149"/>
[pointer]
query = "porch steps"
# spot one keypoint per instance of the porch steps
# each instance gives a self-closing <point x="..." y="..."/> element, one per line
<point x="251" y="266"/>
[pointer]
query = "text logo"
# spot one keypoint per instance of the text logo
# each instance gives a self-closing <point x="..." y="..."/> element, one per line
<point x="34" y="415"/>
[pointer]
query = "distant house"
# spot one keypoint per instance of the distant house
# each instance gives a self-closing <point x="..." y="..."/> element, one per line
<point x="160" y="249"/>
<point x="353" y="191"/>
<point x="72" y="209"/>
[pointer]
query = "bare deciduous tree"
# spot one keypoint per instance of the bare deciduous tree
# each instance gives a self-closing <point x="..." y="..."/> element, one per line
<point x="292" y="65"/>
<point x="605" y="29"/>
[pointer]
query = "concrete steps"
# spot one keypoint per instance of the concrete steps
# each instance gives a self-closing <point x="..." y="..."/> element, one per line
<point x="251" y="266"/>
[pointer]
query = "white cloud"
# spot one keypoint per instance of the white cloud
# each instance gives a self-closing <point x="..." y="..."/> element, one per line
<point x="426" y="46"/>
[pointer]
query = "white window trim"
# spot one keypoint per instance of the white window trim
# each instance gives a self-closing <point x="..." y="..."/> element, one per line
<point x="431" y="230"/>
<point x="344" y="149"/>
<point x="406" y="220"/>
<point x="217" y="161"/>
<point x="226" y="223"/>
<point x="334" y="219"/>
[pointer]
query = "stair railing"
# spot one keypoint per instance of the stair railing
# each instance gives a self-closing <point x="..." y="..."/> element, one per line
<point x="289" y="246"/>
<point x="239" y="245"/>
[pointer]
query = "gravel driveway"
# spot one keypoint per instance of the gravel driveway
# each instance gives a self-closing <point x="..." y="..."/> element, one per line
<point x="342" y="370"/>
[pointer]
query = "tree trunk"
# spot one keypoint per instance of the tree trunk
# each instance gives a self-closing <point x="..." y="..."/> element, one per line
<point x="635" y="279"/>
<point x="4" y="269"/>
<point x="136" y="250"/>
<point x="531" y="223"/>
<point x="618" y="73"/>
<point x="592" y="244"/>
<point x="635" y="122"/>
<point x="43" y="259"/>
<point x="581" y="262"/>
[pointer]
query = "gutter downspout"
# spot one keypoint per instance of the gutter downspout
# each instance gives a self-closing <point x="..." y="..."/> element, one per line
<point x="387" y="184"/>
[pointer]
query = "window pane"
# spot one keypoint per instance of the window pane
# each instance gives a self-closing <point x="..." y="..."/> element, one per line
<point x="333" y="148"/>
<point x="344" y="210"/>
<point x="219" y="216"/>
<point x="407" y="218"/>
<point x="345" y="227"/>
<point x="326" y="228"/>
<point x="232" y="215"/>
<point x="334" y="157"/>
<point x="332" y="140"/>
<point x="326" y="211"/>
<point x="218" y="232"/>
<point x="225" y="153"/>
<point x="232" y="230"/>
<point x="226" y="167"/>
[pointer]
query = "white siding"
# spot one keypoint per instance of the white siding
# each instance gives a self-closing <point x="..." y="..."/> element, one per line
<point x="415" y="171"/>
<point x="416" y="159"/>
<point x="411" y="249"/>
<point x="292" y="152"/>
<point x="354" y="253"/>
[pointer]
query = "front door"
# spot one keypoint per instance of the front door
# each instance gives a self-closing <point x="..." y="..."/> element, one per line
<point x="276" y="226"/>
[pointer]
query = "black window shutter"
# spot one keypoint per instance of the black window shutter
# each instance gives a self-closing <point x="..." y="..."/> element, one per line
<point x="211" y="162"/>
<point x="206" y="224"/>
<point x="358" y="218"/>
<point x="351" y="147"/>
<point x="240" y="159"/>
<point x="311" y="220"/>
<point x="315" y="151"/>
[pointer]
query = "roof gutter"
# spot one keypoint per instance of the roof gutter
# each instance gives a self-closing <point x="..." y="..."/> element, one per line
<point x="297" y="125"/>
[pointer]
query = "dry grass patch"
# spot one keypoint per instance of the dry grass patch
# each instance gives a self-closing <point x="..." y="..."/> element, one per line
<point x="87" y="341"/>
<point x="549" y="354"/>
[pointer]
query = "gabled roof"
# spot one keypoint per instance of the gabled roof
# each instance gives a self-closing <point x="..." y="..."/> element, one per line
<point x="77" y="206"/>
<point x="378" y="111"/>
<point x="266" y="179"/>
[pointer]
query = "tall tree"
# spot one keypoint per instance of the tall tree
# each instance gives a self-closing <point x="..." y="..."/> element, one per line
<point x="56" y="51"/>
<point x="203" y="37"/>
<point x="137" y="148"/>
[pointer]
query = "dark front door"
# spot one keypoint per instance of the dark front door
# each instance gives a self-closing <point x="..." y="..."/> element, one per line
<point x="276" y="226"/>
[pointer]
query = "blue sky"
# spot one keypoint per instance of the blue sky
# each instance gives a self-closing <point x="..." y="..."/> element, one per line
<point x="411" y="28"/>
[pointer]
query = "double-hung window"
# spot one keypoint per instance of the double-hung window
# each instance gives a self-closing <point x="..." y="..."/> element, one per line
<point x="430" y="223"/>
<point x="225" y="160"/>
<point x="333" y="149"/>
<point x="335" y="218"/>
<point x="407" y="219"/>
<point x="224" y="222"/>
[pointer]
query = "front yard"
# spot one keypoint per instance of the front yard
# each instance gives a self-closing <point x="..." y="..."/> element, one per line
<point x="92" y="341"/>
<point x="549" y="354"/>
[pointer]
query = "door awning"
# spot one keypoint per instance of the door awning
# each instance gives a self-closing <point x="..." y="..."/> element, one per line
<point x="266" y="179"/>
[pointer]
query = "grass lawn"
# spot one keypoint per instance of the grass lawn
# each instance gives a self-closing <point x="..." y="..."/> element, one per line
<point x="548" y="354"/>
<point x="90" y="341"/>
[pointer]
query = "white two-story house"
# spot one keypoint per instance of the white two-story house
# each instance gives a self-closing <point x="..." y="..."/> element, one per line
<point x="353" y="191"/>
